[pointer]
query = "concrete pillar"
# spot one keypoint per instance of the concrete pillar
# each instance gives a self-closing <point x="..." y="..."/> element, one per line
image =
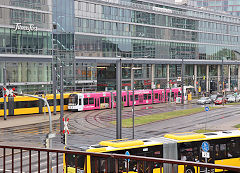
<point x="207" y="78"/>
<point x="167" y="75"/>
<point x="19" y="72"/>
<point x="238" y="77"/>
<point x="229" y="77"/>
<point x="195" y="78"/>
<point x="218" y="78"/>
<point x="153" y="76"/>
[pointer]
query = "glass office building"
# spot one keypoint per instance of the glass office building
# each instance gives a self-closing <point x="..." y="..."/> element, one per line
<point x="89" y="36"/>
<point x="230" y="6"/>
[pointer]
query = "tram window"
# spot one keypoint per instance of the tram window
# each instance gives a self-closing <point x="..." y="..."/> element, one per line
<point x="136" y="97"/>
<point x="131" y="97"/>
<point x="102" y="99"/>
<point x="26" y="104"/>
<point x="156" y="95"/>
<point x="106" y="99"/>
<point x="65" y="101"/>
<point x="91" y="101"/>
<point x="145" y="96"/>
<point x="149" y="96"/>
<point x="50" y="102"/>
<point x="85" y="100"/>
<point x="1" y="105"/>
<point x="80" y="101"/>
<point x="125" y="98"/>
<point x="115" y="98"/>
<point x="172" y="94"/>
<point x="179" y="94"/>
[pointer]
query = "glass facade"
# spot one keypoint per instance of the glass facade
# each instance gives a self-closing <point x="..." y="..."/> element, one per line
<point x="230" y="6"/>
<point x="63" y="32"/>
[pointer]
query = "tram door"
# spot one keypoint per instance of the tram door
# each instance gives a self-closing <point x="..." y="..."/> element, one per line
<point x="96" y="102"/>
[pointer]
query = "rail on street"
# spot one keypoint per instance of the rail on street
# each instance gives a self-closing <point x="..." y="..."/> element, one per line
<point x="27" y="159"/>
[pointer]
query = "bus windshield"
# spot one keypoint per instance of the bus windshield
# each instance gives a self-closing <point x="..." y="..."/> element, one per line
<point x="70" y="160"/>
<point x="73" y="99"/>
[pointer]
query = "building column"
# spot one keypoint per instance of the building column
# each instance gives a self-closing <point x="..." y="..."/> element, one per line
<point x="153" y="76"/>
<point x="167" y="75"/>
<point x="229" y="77"/>
<point x="218" y="78"/>
<point x="238" y="77"/>
<point x="207" y="78"/>
<point x="19" y="72"/>
<point x="195" y="78"/>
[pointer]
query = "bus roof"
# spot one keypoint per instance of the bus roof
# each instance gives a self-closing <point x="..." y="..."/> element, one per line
<point x="123" y="144"/>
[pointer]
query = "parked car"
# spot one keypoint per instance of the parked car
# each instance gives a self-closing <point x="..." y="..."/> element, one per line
<point x="228" y="96"/>
<point x="204" y="100"/>
<point x="219" y="101"/>
<point x="213" y="97"/>
<point x="231" y="99"/>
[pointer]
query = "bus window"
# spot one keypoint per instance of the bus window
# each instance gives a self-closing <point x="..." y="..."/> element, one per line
<point x="91" y="101"/>
<point x="85" y="101"/>
<point x="106" y="99"/>
<point x="223" y="152"/>
<point x="156" y="95"/>
<point x="149" y="96"/>
<point x="145" y="96"/>
<point x="101" y="99"/>
<point x="136" y="97"/>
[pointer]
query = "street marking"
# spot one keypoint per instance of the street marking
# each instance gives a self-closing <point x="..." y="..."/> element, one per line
<point x="52" y="168"/>
<point x="10" y="171"/>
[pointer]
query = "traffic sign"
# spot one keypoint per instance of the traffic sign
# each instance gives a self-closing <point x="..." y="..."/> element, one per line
<point x="205" y="146"/>
<point x="205" y="154"/>
<point x="128" y="154"/>
<point x="66" y="126"/>
<point x="206" y="108"/>
<point x="9" y="92"/>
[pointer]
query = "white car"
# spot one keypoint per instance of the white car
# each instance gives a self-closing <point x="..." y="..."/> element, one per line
<point x="231" y="99"/>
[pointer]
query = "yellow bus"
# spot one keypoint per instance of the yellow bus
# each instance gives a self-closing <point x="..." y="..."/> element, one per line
<point x="223" y="149"/>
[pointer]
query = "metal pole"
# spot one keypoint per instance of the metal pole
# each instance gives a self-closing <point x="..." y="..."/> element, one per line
<point x="119" y="99"/>
<point x="222" y="82"/>
<point x="182" y="81"/>
<point x="4" y="92"/>
<point x="61" y="100"/>
<point x="54" y="91"/>
<point x="132" y="85"/>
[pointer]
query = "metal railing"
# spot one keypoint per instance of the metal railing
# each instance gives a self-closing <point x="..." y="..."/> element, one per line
<point x="28" y="159"/>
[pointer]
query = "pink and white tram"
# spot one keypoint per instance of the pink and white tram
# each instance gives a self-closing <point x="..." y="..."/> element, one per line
<point x="103" y="100"/>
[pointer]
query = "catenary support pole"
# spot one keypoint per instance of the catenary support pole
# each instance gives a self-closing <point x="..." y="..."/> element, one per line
<point x="4" y="92"/>
<point x="132" y="88"/>
<point x="119" y="99"/>
<point x="54" y="91"/>
<point x="61" y="100"/>
<point x="195" y="78"/>
<point x="182" y="75"/>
